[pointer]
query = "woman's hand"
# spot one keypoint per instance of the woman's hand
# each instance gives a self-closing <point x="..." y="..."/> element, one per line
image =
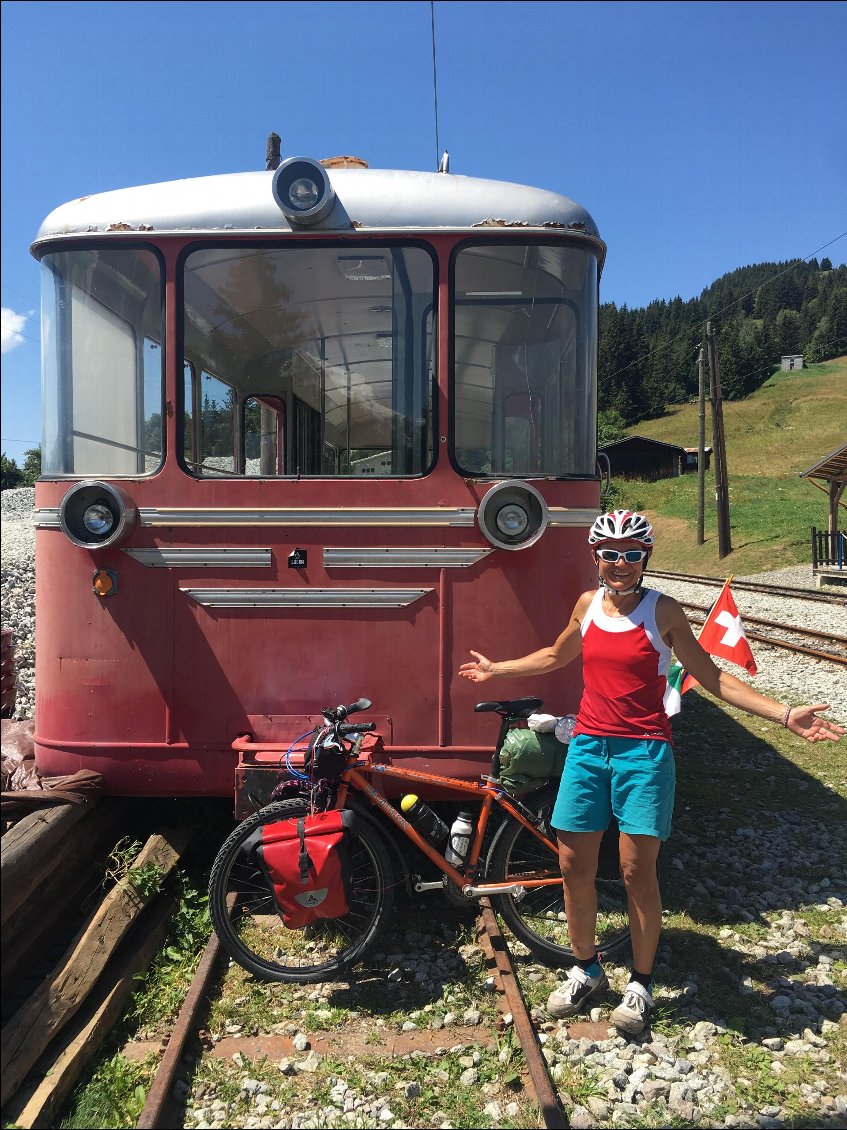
<point x="803" y="721"/>
<point x="479" y="670"/>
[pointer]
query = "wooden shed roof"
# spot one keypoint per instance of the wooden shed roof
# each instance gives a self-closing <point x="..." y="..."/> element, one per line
<point x="640" y="439"/>
<point x="831" y="469"/>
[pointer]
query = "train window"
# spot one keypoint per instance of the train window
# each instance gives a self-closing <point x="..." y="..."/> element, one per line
<point x="263" y="436"/>
<point x="216" y="429"/>
<point x="102" y="362"/>
<point x="524" y="337"/>
<point x="190" y="435"/>
<point x="336" y="340"/>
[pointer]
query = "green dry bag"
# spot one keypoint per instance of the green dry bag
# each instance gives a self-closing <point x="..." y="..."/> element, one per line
<point x="528" y="760"/>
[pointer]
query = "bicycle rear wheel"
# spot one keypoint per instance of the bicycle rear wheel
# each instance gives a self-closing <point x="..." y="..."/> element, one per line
<point x="538" y="917"/>
<point x="255" y="936"/>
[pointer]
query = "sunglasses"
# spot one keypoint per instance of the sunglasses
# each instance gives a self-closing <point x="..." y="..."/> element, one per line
<point x="631" y="556"/>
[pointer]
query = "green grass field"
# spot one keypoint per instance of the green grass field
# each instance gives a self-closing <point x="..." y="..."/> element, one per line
<point x="785" y="427"/>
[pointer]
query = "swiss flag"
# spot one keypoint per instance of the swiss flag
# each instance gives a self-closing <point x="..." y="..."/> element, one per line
<point x="723" y="633"/>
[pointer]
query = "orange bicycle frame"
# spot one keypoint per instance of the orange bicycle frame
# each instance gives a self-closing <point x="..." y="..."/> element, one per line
<point x="355" y="777"/>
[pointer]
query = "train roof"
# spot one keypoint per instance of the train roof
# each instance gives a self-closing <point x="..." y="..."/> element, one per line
<point x="366" y="199"/>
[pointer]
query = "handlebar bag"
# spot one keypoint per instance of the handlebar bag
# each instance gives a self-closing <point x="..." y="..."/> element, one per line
<point x="326" y="757"/>
<point x="527" y="760"/>
<point x="306" y="862"/>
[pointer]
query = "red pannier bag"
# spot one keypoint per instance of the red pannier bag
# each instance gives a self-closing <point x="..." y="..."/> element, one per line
<point x="305" y="860"/>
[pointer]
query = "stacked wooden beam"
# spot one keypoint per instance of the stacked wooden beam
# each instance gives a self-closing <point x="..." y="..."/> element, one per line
<point x="52" y="865"/>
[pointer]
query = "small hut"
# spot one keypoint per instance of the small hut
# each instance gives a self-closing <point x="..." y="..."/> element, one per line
<point x="829" y="475"/>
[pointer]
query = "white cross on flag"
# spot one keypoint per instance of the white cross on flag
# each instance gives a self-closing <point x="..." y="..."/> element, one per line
<point x="723" y="633"/>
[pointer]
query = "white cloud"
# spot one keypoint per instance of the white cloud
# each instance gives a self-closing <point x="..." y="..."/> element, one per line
<point x="12" y="328"/>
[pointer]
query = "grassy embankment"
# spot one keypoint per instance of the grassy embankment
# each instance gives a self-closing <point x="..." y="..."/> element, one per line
<point x="790" y="423"/>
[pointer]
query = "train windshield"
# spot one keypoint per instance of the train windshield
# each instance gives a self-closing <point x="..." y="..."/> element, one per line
<point x="525" y="325"/>
<point x="308" y="360"/>
<point x="102" y="363"/>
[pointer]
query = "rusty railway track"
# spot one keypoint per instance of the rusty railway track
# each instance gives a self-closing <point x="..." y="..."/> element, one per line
<point x="786" y="645"/>
<point x="756" y="586"/>
<point x="156" y="1113"/>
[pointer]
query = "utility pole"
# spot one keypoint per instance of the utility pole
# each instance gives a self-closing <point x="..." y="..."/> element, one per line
<point x="701" y="449"/>
<point x="721" y="477"/>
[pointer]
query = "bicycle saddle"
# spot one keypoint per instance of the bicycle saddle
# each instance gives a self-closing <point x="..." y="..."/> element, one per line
<point x="511" y="708"/>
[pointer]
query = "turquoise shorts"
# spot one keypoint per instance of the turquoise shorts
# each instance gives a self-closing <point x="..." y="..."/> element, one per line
<point x="633" y="779"/>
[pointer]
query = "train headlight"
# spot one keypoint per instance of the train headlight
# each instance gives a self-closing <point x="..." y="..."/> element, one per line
<point x="303" y="194"/>
<point x="98" y="520"/>
<point x="512" y="515"/>
<point x="97" y="515"/>
<point x="512" y="520"/>
<point x="302" y="190"/>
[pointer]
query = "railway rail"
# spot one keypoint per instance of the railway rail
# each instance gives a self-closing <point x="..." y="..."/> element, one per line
<point x="158" y="1110"/>
<point x="755" y="586"/>
<point x="829" y="638"/>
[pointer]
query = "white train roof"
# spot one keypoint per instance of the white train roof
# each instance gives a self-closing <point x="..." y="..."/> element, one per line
<point x="366" y="199"/>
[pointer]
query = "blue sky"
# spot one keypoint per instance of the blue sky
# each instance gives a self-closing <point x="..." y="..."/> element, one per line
<point x="700" y="136"/>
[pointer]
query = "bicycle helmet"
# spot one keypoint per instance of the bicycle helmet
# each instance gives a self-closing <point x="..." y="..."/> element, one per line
<point x="619" y="525"/>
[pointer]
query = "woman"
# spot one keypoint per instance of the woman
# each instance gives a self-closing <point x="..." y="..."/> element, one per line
<point x="620" y="761"/>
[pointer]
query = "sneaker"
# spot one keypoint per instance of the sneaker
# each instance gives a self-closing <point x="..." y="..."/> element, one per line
<point x="572" y="994"/>
<point x="632" y="1015"/>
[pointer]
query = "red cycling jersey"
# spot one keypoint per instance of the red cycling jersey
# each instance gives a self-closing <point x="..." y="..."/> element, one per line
<point x="625" y="663"/>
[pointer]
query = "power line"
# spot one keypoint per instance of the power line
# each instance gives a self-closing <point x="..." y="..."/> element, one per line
<point x="717" y="314"/>
<point x="761" y="431"/>
<point x="11" y="290"/>
<point x="767" y="282"/>
<point x="24" y="337"/>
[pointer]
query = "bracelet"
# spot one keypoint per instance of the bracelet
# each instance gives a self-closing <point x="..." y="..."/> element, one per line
<point x="785" y="716"/>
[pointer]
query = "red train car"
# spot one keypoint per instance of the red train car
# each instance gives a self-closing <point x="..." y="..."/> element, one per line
<point x="308" y="435"/>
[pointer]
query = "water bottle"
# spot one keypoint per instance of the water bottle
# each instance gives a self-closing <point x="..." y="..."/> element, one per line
<point x="564" y="728"/>
<point x="428" y="823"/>
<point x="460" y="839"/>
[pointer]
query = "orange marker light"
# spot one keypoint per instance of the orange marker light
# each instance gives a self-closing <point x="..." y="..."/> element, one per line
<point x="105" y="582"/>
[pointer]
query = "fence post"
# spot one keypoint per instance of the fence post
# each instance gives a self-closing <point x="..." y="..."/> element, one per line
<point x="814" y="549"/>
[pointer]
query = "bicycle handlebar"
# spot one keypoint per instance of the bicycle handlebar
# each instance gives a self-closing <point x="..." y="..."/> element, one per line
<point x="339" y="713"/>
<point x="356" y="728"/>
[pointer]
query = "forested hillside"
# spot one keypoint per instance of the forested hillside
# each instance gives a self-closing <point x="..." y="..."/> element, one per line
<point x="648" y="356"/>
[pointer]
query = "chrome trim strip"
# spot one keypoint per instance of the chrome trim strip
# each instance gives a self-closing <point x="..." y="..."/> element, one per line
<point x="48" y="517"/>
<point x="565" y="516"/>
<point x="176" y="558"/>
<point x="435" y="557"/>
<point x="306" y="516"/>
<point x="304" y="597"/>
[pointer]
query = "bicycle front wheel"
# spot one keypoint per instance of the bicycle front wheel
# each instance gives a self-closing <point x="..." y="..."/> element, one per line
<point x="537" y="918"/>
<point x="254" y="934"/>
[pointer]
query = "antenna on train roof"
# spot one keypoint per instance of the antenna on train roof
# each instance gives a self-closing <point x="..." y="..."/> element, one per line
<point x="435" y="83"/>
<point x="444" y="167"/>
<point x="272" y="152"/>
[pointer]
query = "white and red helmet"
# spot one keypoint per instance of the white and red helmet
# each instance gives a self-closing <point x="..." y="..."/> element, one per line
<point x="622" y="525"/>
